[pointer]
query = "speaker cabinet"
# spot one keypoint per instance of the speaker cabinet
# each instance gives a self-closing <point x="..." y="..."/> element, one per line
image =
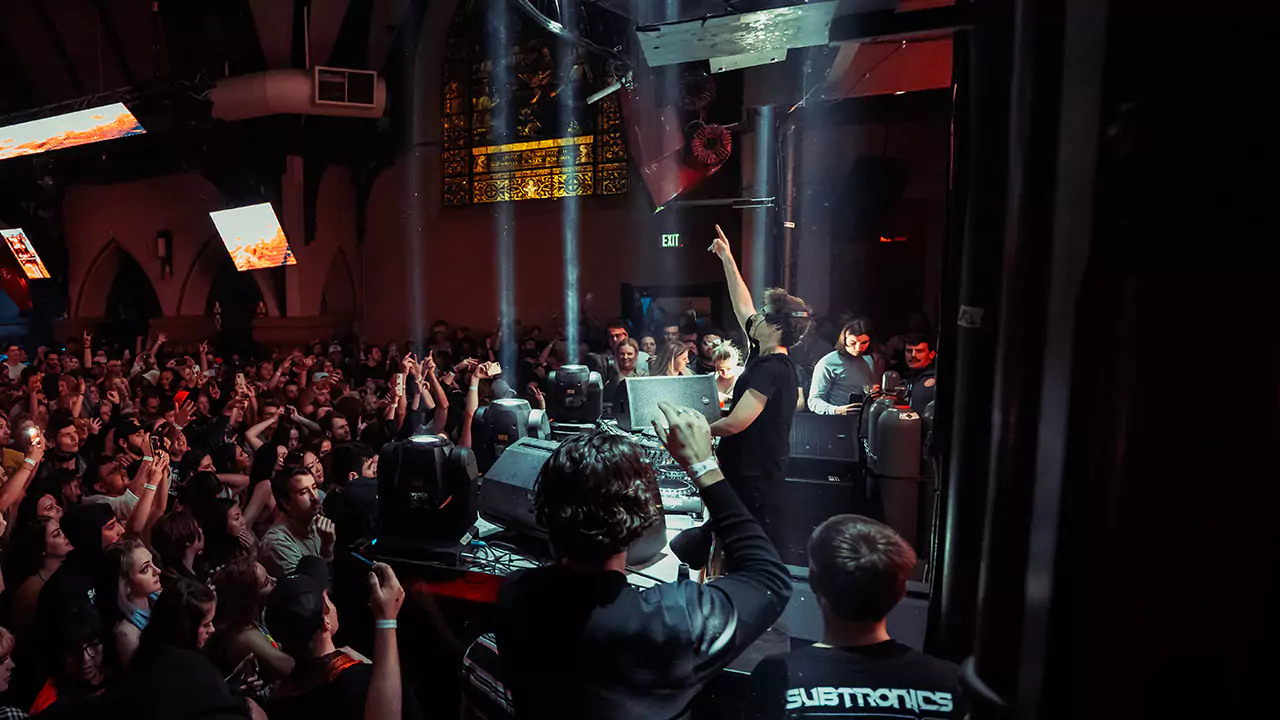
<point x="636" y="404"/>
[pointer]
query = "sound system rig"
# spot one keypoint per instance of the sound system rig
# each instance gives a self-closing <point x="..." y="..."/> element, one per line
<point x="428" y="488"/>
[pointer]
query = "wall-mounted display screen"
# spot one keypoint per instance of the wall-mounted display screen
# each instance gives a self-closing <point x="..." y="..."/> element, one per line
<point x="253" y="237"/>
<point x="27" y="256"/>
<point x="82" y="127"/>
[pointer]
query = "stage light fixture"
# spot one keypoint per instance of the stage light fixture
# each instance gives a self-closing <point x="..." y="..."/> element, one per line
<point x="498" y="425"/>
<point x="254" y="237"/>
<point x="108" y="122"/>
<point x="577" y="395"/>
<point x="26" y="254"/>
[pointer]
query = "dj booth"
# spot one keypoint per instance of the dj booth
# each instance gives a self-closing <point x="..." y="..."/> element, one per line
<point x="453" y="555"/>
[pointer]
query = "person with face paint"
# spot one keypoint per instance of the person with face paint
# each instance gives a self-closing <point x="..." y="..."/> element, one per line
<point x="756" y="432"/>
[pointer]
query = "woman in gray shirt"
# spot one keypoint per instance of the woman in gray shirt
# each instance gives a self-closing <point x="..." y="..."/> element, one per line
<point x="842" y="374"/>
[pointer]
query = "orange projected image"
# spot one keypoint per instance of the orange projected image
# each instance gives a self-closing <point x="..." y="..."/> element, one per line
<point x="63" y="131"/>
<point x="254" y="237"/>
<point x="26" y="253"/>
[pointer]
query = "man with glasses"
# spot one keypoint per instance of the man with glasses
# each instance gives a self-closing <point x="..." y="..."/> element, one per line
<point x="756" y="433"/>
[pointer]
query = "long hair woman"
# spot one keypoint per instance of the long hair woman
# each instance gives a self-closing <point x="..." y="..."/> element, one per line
<point x="36" y="551"/>
<point x="243" y="587"/>
<point x="841" y="376"/>
<point x="179" y="541"/>
<point x="130" y="586"/>
<point x="226" y="535"/>
<point x="672" y="359"/>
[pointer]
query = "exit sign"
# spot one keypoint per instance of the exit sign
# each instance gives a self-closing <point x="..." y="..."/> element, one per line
<point x="671" y="240"/>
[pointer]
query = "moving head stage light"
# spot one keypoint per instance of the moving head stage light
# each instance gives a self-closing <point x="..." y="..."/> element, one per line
<point x="426" y="494"/>
<point x="577" y="395"/>
<point x="501" y="423"/>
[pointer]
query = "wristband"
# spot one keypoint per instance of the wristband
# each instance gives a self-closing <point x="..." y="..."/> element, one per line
<point x="697" y="470"/>
<point x="149" y="486"/>
<point x="384" y="624"/>
<point x="148" y="458"/>
<point x="29" y="461"/>
<point x="475" y="386"/>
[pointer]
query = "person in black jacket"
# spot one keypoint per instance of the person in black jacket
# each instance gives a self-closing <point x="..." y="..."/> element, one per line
<point x="576" y="640"/>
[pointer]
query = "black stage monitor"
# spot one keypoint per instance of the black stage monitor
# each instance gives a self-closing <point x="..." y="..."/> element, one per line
<point x="636" y="404"/>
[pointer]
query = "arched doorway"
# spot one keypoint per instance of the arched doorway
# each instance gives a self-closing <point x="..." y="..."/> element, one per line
<point x="339" y="294"/>
<point x="129" y="301"/>
<point x="235" y="301"/>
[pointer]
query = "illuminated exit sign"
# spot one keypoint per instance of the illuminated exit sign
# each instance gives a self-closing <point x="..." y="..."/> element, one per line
<point x="671" y="240"/>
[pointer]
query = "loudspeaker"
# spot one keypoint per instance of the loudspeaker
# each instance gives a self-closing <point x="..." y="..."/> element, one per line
<point x="825" y="437"/>
<point x="636" y="404"/>
<point x="506" y="497"/>
<point x="808" y="499"/>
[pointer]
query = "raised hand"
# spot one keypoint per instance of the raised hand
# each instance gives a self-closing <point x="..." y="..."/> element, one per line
<point x="687" y="435"/>
<point x="720" y="246"/>
<point x="95" y="426"/>
<point x="182" y="416"/>
<point x="35" y="451"/>
<point x="113" y="397"/>
<point x="162" y="338"/>
<point x="385" y="592"/>
<point x="539" y="400"/>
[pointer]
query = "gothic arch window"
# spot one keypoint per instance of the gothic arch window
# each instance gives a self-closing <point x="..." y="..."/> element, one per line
<point x="542" y="152"/>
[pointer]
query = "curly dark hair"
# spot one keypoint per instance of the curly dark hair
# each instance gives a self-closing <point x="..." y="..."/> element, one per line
<point x="596" y="495"/>
<point x="789" y="314"/>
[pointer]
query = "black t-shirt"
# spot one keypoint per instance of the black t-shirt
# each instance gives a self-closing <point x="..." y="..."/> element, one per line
<point x="764" y="446"/>
<point x="883" y="680"/>
<point x="341" y="698"/>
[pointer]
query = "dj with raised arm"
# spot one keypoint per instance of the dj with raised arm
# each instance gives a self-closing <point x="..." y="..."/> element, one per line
<point x="757" y="431"/>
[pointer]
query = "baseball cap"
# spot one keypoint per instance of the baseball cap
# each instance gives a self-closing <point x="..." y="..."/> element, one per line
<point x="335" y="348"/>
<point x="318" y="376"/>
<point x="295" y="610"/>
<point x="128" y="427"/>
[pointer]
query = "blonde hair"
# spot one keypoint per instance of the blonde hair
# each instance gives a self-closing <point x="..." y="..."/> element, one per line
<point x="726" y="351"/>
<point x="6" y="642"/>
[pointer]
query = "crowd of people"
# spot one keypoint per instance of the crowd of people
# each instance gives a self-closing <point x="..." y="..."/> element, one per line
<point x="177" y="525"/>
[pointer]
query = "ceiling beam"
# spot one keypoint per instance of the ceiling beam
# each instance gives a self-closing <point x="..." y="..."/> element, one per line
<point x="113" y="39"/>
<point x="301" y="23"/>
<point x="59" y="47"/>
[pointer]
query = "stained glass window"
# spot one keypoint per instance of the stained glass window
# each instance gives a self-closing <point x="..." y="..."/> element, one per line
<point x="532" y="148"/>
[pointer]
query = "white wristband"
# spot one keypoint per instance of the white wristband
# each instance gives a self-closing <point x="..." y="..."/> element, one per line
<point x="149" y="486"/>
<point x="697" y="470"/>
<point x="30" y="462"/>
<point x="148" y="458"/>
<point x="384" y="624"/>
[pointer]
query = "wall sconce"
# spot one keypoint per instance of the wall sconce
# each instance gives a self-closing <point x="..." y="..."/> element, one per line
<point x="164" y="251"/>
